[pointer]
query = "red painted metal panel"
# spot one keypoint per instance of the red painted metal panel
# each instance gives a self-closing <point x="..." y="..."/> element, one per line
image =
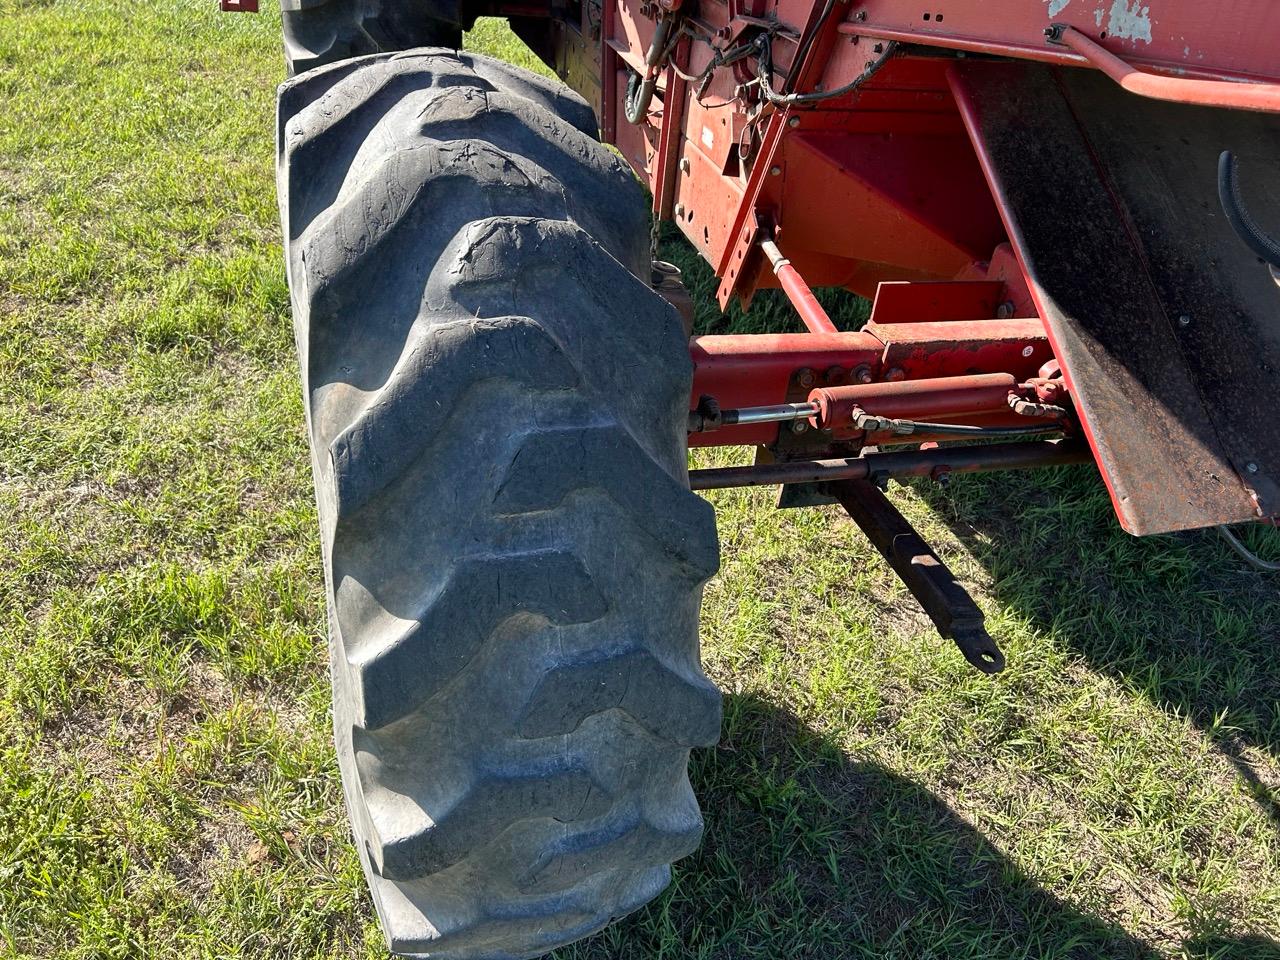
<point x="917" y="201"/>
<point x="882" y="182"/>
<point x="1194" y="39"/>
<point x="943" y="300"/>
<point x="1230" y="39"/>
<point x="1003" y="266"/>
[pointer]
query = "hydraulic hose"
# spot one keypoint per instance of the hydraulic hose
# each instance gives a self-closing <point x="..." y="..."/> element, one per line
<point x="1245" y="226"/>
<point x="640" y="89"/>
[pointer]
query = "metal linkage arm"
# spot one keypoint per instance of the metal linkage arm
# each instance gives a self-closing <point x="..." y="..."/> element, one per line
<point x="946" y="602"/>
<point x="986" y="458"/>
<point x="797" y="291"/>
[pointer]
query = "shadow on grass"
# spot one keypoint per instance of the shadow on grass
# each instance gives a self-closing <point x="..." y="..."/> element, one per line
<point x="810" y="852"/>
<point x="1177" y="619"/>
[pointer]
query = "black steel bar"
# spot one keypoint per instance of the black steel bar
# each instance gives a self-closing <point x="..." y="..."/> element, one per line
<point x="946" y="602"/>
<point x="907" y="463"/>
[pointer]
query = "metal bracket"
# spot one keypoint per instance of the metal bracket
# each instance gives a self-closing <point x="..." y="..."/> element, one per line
<point x="946" y="602"/>
<point x="1053" y="33"/>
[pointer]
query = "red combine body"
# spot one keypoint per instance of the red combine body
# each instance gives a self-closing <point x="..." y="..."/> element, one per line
<point x="1054" y="207"/>
<point x="1041" y="192"/>
<point x="1006" y="217"/>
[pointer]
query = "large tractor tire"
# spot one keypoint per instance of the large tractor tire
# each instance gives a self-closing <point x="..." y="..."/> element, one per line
<point x="497" y="413"/>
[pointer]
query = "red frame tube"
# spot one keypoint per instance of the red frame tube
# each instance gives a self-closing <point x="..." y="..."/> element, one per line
<point x="1261" y="97"/>
<point x="798" y="292"/>
<point x="801" y="296"/>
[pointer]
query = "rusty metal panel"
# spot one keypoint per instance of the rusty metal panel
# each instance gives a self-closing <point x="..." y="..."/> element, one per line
<point x="1223" y="303"/>
<point x="1167" y="328"/>
<point x="955" y="348"/>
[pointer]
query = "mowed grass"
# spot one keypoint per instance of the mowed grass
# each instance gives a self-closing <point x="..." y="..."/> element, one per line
<point x="166" y="783"/>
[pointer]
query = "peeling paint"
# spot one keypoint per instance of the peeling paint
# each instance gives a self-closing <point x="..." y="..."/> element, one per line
<point x="1057" y="6"/>
<point x="1098" y="15"/>
<point x="1130" y="20"/>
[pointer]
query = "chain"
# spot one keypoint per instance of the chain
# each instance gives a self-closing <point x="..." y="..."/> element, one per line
<point x="653" y="237"/>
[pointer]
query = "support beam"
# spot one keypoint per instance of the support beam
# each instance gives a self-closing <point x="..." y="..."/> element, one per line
<point x="908" y="463"/>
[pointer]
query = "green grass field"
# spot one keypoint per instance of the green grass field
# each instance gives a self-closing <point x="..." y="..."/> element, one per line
<point x="166" y="784"/>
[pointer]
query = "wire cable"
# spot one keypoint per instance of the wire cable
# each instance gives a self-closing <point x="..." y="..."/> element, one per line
<point x="1251" y="558"/>
<point x="764" y="72"/>
<point x="1245" y="226"/>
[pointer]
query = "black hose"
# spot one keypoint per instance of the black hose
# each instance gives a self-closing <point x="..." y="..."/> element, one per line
<point x="640" y="91"/>
<point x="1251" y="558"/>
<point x="803" y="50"/>
<point x="764" y="73"/>
<point x="639" y="96"/>
<point x="1245" y="226"/>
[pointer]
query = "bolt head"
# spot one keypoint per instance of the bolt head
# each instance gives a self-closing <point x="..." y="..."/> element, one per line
<point x="1028" y="350"/>
<point x="793" y="122"/>
<point x="806" y="378"/>
<point x="895" y="374"/>
<point x="775" y="171"/>
<point x="1184" y="320"/>
<point x="1251" y="467"/>
<point x="799" y="426"/>
<point x="1048" y="391"/>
